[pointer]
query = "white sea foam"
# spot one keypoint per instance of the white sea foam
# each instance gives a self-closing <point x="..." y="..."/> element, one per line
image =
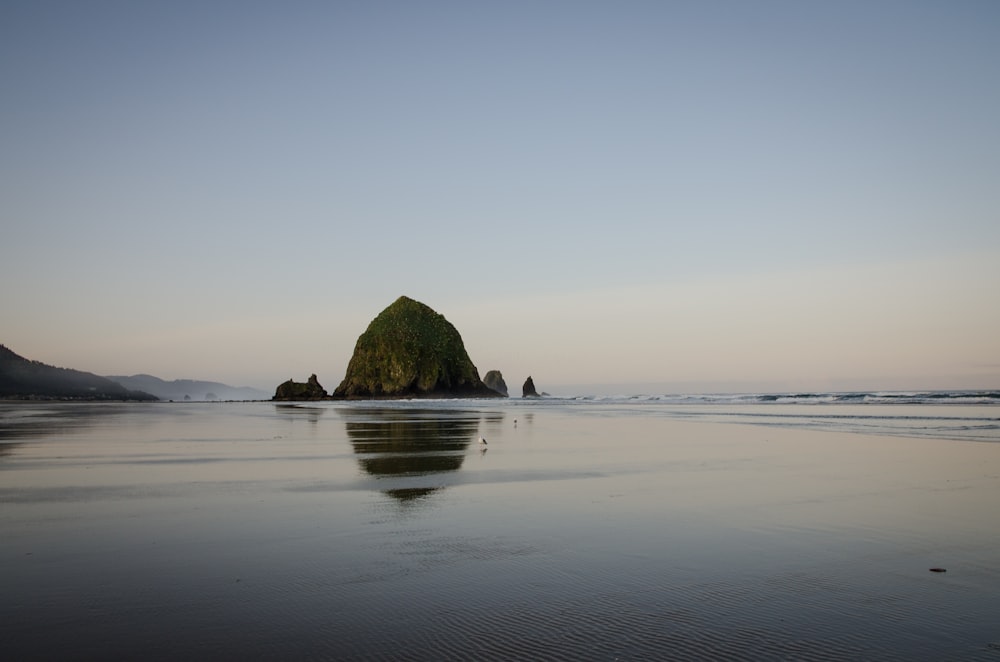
<point x="846" y="397"/>
<point x="956" y="415"/>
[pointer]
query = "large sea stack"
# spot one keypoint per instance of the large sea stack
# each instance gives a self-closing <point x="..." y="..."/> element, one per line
<point x="410" y="351"/>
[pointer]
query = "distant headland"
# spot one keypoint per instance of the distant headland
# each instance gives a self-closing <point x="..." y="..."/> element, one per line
<point x="23" y="379"/>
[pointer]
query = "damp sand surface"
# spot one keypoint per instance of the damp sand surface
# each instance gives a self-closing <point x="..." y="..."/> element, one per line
<point x="372" y="531"/>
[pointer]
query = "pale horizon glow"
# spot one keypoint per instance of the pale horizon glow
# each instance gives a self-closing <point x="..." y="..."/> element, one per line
<point x="712" y="197"/>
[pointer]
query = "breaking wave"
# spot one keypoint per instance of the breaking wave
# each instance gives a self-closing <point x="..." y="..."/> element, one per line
<point x="854" y="397"/>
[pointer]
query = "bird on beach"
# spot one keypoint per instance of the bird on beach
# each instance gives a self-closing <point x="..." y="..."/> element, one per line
<point x="482" y="440"/>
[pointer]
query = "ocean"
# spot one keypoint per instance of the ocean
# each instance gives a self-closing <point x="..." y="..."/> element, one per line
<point x="750" y="526"/>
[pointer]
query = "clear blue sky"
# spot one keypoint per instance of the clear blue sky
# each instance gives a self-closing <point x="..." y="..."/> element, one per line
<point x="707" y="195"/>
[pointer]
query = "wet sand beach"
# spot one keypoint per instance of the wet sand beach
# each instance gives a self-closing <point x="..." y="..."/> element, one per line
<point x="582" y="531"/>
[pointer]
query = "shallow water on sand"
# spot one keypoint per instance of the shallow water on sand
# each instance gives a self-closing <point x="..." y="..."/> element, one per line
<point x="386" y="531"/>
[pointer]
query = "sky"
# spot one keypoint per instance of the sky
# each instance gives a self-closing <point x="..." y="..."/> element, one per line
<point x="710" y="196"/>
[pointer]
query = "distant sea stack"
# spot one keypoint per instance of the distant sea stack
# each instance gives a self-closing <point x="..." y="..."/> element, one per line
<point x="528" y="390"/>
<point x="410" y="351"/>
<point x="494" y="380"/>
<point x="292" y="390"/>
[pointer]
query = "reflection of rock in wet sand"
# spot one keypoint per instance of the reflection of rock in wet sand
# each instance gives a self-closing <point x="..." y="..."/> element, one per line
<point x="411" y="493"/>
<point x="410" y="443"/>
<point x="303" y="412"/>
<point x="21" y="419"/>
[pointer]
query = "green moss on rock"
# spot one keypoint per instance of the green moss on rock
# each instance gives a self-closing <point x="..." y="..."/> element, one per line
<point x="411" y="351"/>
